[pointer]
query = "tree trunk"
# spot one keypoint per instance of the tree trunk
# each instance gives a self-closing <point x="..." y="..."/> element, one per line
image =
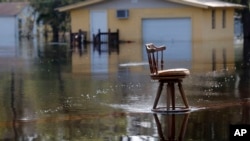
<point x="246" y="19"/>
<point x="55" y="31"/>
<point x="246" y="32"/>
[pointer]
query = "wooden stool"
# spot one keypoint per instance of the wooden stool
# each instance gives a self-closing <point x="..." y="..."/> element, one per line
<point x="167" y="76"/>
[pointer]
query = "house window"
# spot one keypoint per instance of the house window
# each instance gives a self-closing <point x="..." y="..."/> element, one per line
<point x="224" y="19"/>
<point x="213" y="19"/>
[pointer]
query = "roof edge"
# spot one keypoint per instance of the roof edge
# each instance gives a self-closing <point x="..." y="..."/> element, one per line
<point x="207" y="4"/>
<point x="77" y="5"/>
<point x="194" y="3"/>
<point x="12" y="9"/>
<point x="189" y="3"/>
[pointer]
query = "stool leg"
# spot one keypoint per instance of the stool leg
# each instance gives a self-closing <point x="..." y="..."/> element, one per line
<point x="168" y="96"/>
<point x="173" y="95"/>
<point x="183" y="95"/>
<point x="158" y="95"/>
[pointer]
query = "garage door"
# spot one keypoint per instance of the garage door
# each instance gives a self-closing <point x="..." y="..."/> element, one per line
<point x="175" y="33"/>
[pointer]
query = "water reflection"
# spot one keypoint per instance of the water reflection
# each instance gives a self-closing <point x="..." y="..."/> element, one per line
<point x="53" y="92"/>
<point x="206" y="57"/>
<point x="8" y="41"/>
<point x="169" y="132"/>
<point x="23" y="113"/>
<point x="213" y="56"/>
<point x="244" y="90"/>
<point x="105" y="59"/>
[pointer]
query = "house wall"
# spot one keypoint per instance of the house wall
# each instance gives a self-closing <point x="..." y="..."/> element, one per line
<point x="218" y="33"/>
<point x="80" y="18"/>
<point x="8" y="31"/>
<point x="131" y="28"/>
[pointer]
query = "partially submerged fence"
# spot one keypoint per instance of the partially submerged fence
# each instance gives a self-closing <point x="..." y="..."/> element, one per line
<point x="80" y="38"/>
<point x="109" y="37"/>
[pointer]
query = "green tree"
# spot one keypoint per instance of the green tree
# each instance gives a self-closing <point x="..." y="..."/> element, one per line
<point x="245" y="13"/>
<point x="246" y="19"/>
<point x="49" y="16"/>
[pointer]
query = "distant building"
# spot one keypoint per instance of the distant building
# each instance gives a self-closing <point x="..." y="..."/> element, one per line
<point x="17" y="19"/>
<point x="192" y="30"/>
<point x="155" y="20"/>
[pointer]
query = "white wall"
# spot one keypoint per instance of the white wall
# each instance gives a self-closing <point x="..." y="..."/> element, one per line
<point x="8" y="35"/>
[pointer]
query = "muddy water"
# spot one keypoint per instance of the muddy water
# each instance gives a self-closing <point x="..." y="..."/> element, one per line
<point x="53" y="92"/>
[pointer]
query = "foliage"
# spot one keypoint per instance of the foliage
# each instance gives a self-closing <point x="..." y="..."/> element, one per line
<point x="49" y="16"/>
<point x="14" y="0"/>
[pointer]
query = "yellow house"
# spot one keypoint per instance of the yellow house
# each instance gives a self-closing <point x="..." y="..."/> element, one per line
<point x="185" y="26"/>
<point x="156" y="20"/>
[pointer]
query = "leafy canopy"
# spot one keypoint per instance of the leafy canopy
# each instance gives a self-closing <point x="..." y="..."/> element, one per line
<point x="47" y="13"/>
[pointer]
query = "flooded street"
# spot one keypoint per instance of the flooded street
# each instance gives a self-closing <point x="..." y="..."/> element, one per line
<point x="52" y="92"/>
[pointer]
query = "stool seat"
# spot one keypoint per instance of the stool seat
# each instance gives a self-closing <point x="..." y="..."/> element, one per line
<point x="171" y="73"/>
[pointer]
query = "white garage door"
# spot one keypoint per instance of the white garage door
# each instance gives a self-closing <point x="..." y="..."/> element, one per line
<point x="175" y="33"/>
<point x="7" y="31"/>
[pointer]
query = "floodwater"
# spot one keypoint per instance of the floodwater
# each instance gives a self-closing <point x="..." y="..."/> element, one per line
<point x="50" y="92"/>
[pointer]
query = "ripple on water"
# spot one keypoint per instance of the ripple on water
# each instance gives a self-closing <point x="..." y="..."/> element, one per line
<point x="146" y="108"/>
